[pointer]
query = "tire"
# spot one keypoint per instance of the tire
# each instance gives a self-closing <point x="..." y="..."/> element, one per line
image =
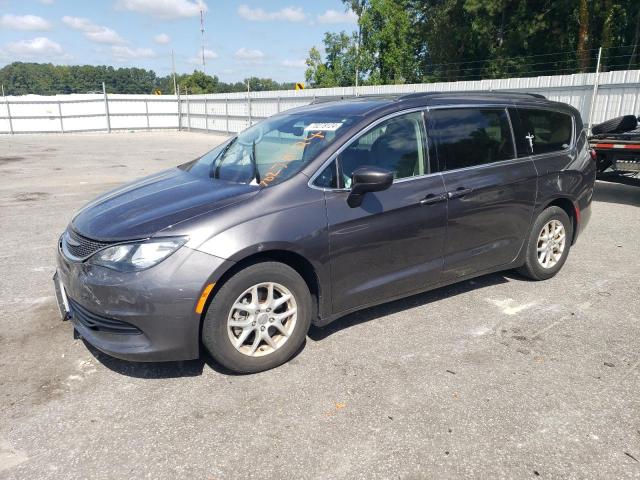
<point x="217" y="333"/>
<point x="602" y="163"/>
<point x="622" y="124"/>
<point x="533" y="267"/>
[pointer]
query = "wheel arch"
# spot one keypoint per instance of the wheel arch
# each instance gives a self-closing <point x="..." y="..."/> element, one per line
<point x="570" y="209"/>
<point x="292" y="259"/>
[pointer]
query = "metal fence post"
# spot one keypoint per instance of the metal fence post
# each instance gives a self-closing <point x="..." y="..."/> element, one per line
<point x="186" y="93"/>
<point x="8" y="109"/>
<point x="249" y="108"/>
<point x="595" y="91"/>
<point x="106" y="107"/>
<point x="6" y="100"/>
<point x="179" y="110"/>
<point x="146" y="111"/>
<point x="226" y="111"/>
<point x="206" y="114"/>
<point x="60" y="116"/>
<point x="278" y="103"/>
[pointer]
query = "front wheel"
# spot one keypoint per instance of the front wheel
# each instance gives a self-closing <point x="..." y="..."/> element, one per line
<point x="548" y="245"/>
<point x="258" y="319"/>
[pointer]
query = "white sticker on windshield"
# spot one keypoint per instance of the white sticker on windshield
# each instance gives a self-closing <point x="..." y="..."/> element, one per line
<point x="323" y="127"/>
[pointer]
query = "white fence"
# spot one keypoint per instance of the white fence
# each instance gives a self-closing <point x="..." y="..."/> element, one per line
<point x="87" y="113"/>
<point x="618" y="93"/>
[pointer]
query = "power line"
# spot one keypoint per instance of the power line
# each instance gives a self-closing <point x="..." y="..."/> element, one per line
<point x="521" y="65"/>
<point x="513" y="58"/>
<point x="566" y="52"/>
<point x="571" y="66"/>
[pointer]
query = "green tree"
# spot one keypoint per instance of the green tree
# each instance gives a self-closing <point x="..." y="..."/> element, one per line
<point x="448" y="40"/>
<point x="198" y="83"/>
<point x="339" y="67"/>
<point x="389" y="42"/>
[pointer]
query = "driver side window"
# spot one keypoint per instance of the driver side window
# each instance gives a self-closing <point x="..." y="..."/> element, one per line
<point x="395" y="145"/>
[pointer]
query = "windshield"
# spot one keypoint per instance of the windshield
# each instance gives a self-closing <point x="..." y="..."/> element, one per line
<point x="272" y="150"/>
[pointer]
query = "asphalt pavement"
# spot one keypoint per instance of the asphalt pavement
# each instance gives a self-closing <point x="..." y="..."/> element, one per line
<point x="498" y="377"/>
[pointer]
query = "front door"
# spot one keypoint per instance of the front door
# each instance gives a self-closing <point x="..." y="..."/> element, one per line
<point x="392" y="244"/>
<point x="491" y="193"/>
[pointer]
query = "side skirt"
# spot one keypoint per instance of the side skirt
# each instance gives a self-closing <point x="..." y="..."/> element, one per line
<point x="518" y="262"/>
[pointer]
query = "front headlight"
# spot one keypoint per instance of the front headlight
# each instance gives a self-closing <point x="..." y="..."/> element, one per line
<point x="130" y="257"/>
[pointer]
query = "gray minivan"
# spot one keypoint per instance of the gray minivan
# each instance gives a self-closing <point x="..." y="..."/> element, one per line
<point x="321" y="211"/>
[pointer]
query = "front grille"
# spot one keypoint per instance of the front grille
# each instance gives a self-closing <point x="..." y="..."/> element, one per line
<point x="98" y="323"/>
<point x="81" y="247"/>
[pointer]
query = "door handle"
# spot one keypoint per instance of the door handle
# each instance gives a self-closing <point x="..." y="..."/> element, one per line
<point x="460" y="192"/>
<point x="431" y="199"/>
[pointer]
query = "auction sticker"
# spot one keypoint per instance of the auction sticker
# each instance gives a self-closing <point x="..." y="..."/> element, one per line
<point x="323" y="127"/>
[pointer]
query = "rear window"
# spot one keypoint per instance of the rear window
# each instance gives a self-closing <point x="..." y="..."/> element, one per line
<point x="466" y="137"/>
<point x="543" y="131"/>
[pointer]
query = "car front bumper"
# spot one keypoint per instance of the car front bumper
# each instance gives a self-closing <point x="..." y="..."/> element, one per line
<point x="143" y="316"/>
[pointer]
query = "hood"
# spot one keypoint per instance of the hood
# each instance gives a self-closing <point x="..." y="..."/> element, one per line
<point x="142" y="208"/>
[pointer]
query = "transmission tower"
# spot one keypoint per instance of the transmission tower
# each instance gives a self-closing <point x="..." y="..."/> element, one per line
<point x="202" y="32"/>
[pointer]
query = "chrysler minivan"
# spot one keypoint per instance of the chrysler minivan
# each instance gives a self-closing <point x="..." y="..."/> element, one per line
<point x="320" y="211"/>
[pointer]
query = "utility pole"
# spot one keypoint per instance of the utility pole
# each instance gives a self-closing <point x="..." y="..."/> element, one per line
<point x="173" y="70"/>
<point x="202" y="32"/>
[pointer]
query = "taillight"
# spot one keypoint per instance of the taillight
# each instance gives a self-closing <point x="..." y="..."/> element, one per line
<point x="593" y="154"/>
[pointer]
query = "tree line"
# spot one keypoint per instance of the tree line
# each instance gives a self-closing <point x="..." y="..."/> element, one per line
<point x="410" y="41"/>
<point x="47" y="79"/>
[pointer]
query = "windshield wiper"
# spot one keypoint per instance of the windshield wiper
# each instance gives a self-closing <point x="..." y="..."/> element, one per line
<point x="215" y="172"/>
<point x="252" y="157"/>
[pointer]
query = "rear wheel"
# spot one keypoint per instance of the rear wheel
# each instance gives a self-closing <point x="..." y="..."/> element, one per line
<point x="548" y="245"/>
<point x="258" y="319"/>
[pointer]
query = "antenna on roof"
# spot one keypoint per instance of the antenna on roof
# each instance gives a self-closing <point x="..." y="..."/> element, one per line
<point x="202" y="32"/>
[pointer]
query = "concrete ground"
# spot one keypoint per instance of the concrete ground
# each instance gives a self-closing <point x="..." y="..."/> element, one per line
<point x="497" y="377"/>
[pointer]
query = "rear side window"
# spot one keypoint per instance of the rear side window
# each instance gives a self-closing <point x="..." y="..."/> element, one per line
<point x="543" y="131"/>
<point x="466" y="137"/>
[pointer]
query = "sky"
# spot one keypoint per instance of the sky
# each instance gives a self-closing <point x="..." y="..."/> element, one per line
<point x="242" y="38"/>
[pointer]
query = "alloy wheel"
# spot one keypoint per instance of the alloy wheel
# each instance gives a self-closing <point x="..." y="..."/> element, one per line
<point x="551" y="243"/>
<point x="262" y="319"/>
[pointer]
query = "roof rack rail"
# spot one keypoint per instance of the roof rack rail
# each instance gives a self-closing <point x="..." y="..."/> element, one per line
<point x="471" y="92"/>
<point x="350" y="96"/>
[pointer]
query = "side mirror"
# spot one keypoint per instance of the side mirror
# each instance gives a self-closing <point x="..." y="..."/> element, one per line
<point x="368" y="179"/>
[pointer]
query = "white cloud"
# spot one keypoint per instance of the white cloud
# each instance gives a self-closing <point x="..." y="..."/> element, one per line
<point x="46" y="2"/>
<point x="248" y="55"/>
<point x="164" y="9"/>
<point x="288" y="14"/>
<point x="24" y="22"/>
<point x="298" y="63"/>
<point x="208" y="55"/>
<point x="162" y="39"/>
<point x="334" y="16"/>
<point x="92" y="32"/>
<point x="39" y="47"/>
<point x="122" y="53"/>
